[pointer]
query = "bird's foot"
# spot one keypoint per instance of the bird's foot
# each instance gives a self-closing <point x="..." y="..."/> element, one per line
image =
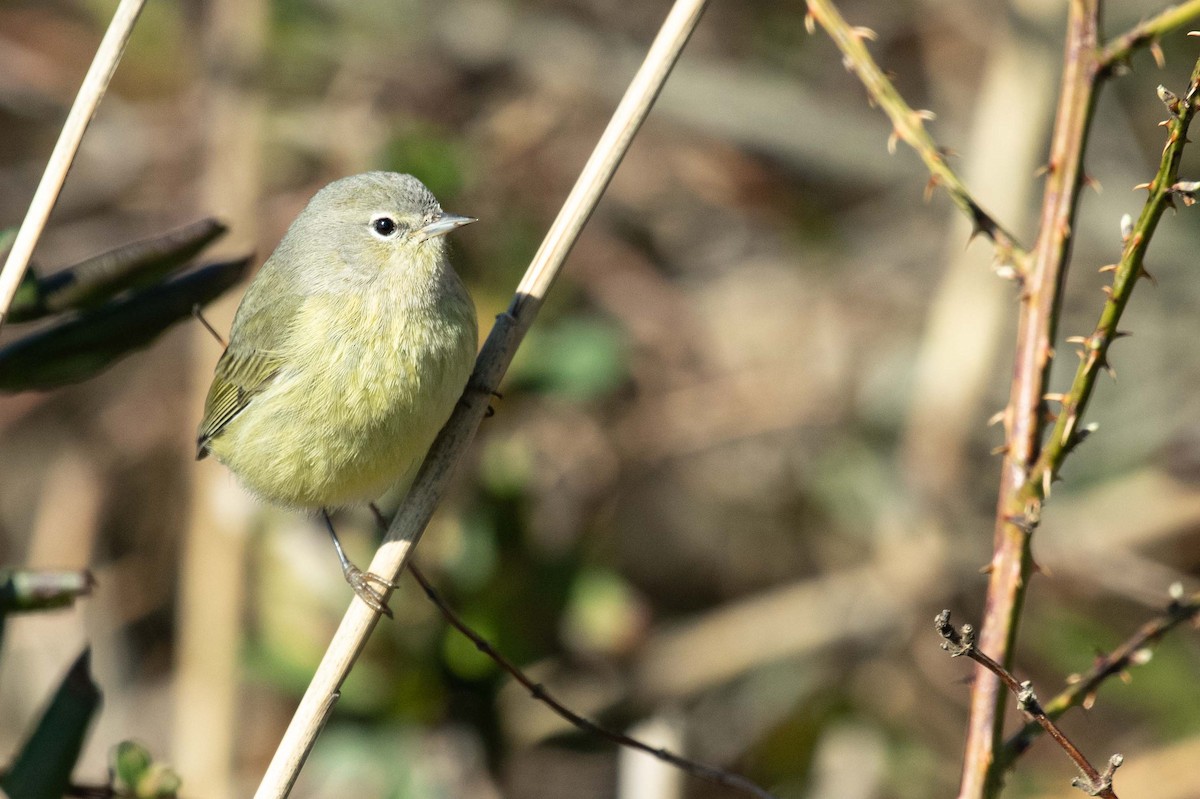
<point x="364" y="585"/>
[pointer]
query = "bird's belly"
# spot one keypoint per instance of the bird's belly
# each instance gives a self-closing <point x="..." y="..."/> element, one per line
<point x="348" y="433"/>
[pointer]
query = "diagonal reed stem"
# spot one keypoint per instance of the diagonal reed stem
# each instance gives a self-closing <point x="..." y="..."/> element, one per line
<point x="95" y="83"/>
<point x="493" y="361"/>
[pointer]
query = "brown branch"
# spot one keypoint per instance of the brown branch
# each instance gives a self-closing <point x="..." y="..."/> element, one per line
<point x="1016" y="514"/>
<point x="1084" y="688"/>
<point x="538" y="691"/>
<point x="908" y="125"/>
<point x="959" y="643"/>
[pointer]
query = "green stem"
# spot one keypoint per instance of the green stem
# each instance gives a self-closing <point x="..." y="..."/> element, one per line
<point x="1148" y="31"/>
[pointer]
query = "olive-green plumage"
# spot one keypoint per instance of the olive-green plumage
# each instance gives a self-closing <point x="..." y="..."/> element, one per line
<point x="348" y="351"/>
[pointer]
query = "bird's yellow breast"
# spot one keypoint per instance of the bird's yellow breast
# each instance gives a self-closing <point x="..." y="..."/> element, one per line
<point x="366" y="384"/>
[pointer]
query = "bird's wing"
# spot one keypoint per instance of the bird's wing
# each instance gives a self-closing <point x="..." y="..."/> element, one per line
<point x="246" y="368"/>
<point x="239" y="376"/>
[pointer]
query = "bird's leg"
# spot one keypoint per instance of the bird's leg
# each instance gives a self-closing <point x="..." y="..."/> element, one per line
<point x="359" y="580"/>
<point x="199" y="314"/>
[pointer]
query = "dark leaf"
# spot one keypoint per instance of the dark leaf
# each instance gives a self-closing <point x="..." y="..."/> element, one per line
<point x="76" y="349"/>
<point x="42" y="767"/>
<point x="101" y="277"/>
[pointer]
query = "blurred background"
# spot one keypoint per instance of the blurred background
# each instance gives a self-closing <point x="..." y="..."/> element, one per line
<point x="742" y="458"/>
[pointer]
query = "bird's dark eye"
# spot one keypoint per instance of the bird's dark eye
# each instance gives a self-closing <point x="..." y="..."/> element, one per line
<point x="384" y="226"/>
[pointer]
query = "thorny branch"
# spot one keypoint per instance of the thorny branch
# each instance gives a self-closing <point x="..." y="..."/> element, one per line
<point x="1164" y="189"/>
<point x="1147" y="33"/>
<point x="1083" y="688"/>
<point x="1024" y="419"/>
<point x="908" y="125"/>
<point x="1029" y="469"/>
<point x="959" y="643"/>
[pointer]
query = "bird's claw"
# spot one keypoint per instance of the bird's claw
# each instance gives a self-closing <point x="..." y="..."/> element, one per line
<point x="364" y="584"/>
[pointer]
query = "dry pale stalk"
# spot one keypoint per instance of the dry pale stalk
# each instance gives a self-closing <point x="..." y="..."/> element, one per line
<point x="493" y="361"/>
<point x="95" y="83"/>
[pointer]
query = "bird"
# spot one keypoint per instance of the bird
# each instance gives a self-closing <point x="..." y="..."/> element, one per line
<point x="346" y="355"/>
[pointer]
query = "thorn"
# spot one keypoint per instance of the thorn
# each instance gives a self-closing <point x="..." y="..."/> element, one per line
<point x="1142" y="186"/>
<point x="1109" y="268"/>
<point x="1064" y="229"/>
<point x="1121" y="334"/>
<point x="1092" y="184"/>
<point x="1000" y="450"/>
<point x="1046" y="481"/>
<point x="893" y="139"/>
<point x="1156" y="51"/>
<point x="1077" y="340"/>
<point x="1107" y="290"/>
<point x="997" y="417"/>
<point x="1055" y="397"/>
<point x="1143" y="273"/>
<point x="925" y="115"/>
<point x="810" y="22"/>
<point x="1041" y="171"/>
<point x="1068" y="428"/>
<point x="932" y="184"/>
<point x="863" y="32"/>
<point x="1025" y="523"/>
<point x="987" y="568"/>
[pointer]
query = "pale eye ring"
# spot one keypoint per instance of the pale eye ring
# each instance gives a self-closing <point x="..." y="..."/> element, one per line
<point x="384" y="226"/>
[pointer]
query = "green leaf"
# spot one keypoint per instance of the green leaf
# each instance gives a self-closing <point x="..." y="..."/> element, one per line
<point x="76" y="349"/>
<point x="579" y="358"/>
<point x="42" y="767"/>
<point x="103" y="276"/>
<point x="130" y="761"/>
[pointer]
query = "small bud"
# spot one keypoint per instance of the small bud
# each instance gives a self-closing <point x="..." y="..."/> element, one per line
<point x="1126" y="227"/>
<point x="1169" y="99"/>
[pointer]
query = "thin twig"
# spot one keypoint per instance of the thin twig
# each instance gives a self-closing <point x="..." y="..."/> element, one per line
<point x="1024" y="419"/>
<point x="538" y="691"/>
<point x="959" y="643"/>
<point x="1147" y="33"/>
<point x="908" y="125"/>
<point x="94" y="85"/>
<point x="493" y="361"/>
<point x="1080" y="691"/>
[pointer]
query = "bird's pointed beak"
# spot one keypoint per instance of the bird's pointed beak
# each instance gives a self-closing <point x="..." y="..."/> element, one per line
<point x="442" y="225"/>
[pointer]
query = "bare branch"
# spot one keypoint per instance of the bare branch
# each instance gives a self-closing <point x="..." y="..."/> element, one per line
<point x="962" y="642"/>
